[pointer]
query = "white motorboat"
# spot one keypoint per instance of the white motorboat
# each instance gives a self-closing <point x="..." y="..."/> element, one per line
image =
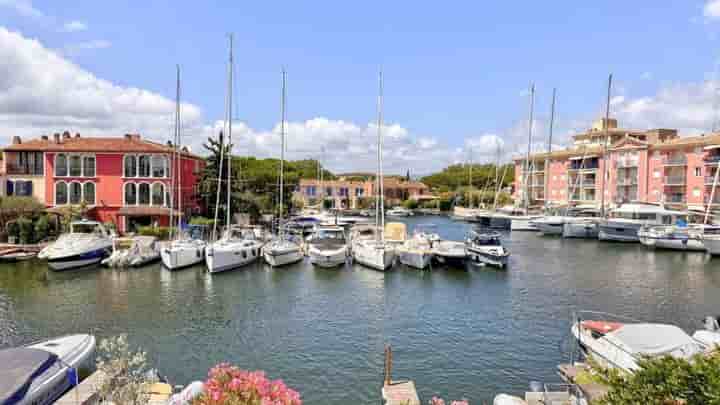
<point x="375" y="254"/>
<point x="672" y="237"/>
<point x="450" y="253"/>
<point x="133" y="252"/>
<point x="486" y="248"/>
<point x="328" y="247"/>
<point x="555" y="224"/>
<point x="417" y="251"/>
<point x="40" y="373"/>
<point x="238" y="247"/>
<point x="710" y="237"/>
<point x="624" y="222"/>
<point x="710" y="335"/>
<point x="185" y="251"/>
<point x="399" y="212"/>
<point x="621" y="344"/>
<point x="586" y="228"/>
<point x="87" y="243"/>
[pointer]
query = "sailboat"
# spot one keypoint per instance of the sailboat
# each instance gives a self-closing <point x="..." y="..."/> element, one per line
<point x="184" y="249"/>
<point x="374" y="252"/>
<point x="524" y="222"/>
<point x="282" y="251"/>
<point x="239" y="245"/>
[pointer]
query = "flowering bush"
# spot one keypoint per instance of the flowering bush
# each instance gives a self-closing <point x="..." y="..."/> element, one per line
<point x="229" y="385"/>
<point x="440" y="401"/>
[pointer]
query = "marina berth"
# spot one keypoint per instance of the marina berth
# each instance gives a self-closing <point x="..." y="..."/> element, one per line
<point x="87" y="243"/>
<point x="623" y="223"/>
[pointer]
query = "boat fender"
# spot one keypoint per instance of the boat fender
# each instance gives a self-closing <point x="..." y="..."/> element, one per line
<point x="188" y="394"/>
<point x="72" y="376"/>
<point x="505" y="399"/>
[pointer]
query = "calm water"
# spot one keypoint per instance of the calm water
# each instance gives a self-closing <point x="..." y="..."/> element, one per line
<point x="457" y="333"/>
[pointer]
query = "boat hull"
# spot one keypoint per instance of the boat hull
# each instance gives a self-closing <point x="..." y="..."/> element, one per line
<point x="621" y="232"/>
<point x="549" y="228"/>
<point x="79" y="260"/>
<point x="282" y="258"/>
<point x="672" y="243"/>
<point x="218" y="260"/>
<point x="415" y="259"/>
<point x="176" y="258"/>
<point x="584" y="230"/>
<point x="522" y="224"/>
<point x="375" y="258"/>
<point x="327" y="259"/>
<point x="478" y="257"/>
<point x="712" y="244"/>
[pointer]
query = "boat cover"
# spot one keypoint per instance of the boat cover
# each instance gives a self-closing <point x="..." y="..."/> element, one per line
<point x="655" y="339"/>
<point x="20" y="367"/>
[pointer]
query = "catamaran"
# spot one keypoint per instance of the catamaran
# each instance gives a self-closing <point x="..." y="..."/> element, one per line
<point x="374" y="252"/>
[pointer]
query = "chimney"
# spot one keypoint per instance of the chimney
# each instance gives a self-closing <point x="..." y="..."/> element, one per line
<point x="16" y="140"/>
<point x="56" y="137"/>
<point x="66" y="135"/>
<point x="77" y="134"/>
<point x="44" y="137"/>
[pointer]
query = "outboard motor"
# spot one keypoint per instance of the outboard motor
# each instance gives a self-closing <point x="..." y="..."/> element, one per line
<point x="711" y="323"/>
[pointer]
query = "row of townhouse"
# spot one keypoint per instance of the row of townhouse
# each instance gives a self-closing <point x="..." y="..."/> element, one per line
<point x="346" y="194"/>
<point x="655" y="166"/>
<point x="125" y="180"/>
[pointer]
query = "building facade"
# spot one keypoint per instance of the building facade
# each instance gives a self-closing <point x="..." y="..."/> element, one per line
<point x="124" y="180"/>
<point x="654" y="166"/>
<point x="347" y="194"/>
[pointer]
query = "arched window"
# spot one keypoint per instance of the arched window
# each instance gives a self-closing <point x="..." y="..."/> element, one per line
<point x="88" y="166"/>
<point x="61" y="193"/>
<point x="144" y="166"/>
<point x="159" y="166"/>
<point x="144" y="194"/>
<point x="75" y="192"/>
<point x="130" y="164"/>
<point x="158" y="194"/>
<point x="61" y="168"/>
<point x="89" y="193"/>
<point x="130" y="194"/>
<point x="75" y="166"/>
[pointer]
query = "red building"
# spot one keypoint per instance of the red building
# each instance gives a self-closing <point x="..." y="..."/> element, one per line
<point x="125" y="180"/>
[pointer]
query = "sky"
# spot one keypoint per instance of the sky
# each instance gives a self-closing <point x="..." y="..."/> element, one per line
<point x="456" y="73"/>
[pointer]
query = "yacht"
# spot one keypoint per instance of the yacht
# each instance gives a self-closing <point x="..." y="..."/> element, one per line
<point x="450" y="253"/>
<point x="136" y="251"/>
<point x="507" y="218"/>
<point x="399" y="212"/>
<point x="675" y="237"/>
<point x="238" y="247"/>
<point x="186" y="250"/>
<point x="375" y="252"/>
<point x="87" y="243"/>
<point x="555" y="224"/>
<point x="417" y="251"/>
<point x="40" y="373"/>
<point x="328" y="246"/>
<point x="581" y="227"/>
<point x="624" y="222"/>
<point x="486" y="248"/>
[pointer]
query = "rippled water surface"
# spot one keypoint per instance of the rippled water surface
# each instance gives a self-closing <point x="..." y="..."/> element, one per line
<point x="458" y="333"/>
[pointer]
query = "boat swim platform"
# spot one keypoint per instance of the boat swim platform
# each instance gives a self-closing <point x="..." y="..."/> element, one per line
<point x="400" y="393"/>
<point x="85" y="393"/>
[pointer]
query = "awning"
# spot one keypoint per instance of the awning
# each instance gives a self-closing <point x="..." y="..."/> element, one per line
<point x="146" y="212"/>
<point x="582" y="157"/>
<point x="711" y="147"/>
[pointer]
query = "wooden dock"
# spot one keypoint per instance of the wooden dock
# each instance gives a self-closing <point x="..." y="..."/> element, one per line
<point x="85" y="393"/>
<point x="593" y="391"/>
<point x="397" y="392"/>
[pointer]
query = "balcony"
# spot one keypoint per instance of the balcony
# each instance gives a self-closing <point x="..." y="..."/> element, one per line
<point x="24" y="169"/>
<point x="675" y="161"/>
<point x="627" y="181"/>
<point x="675" y="180"/>
<point x="709" y="180"/>
<point x="675" y="198"/>
<point x="715" y="200"/>
<point x="623" y="163"/>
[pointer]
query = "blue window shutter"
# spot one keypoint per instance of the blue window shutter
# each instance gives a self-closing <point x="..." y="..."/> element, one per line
<point x="28" y="188"/>
<point x="10" y="189"/>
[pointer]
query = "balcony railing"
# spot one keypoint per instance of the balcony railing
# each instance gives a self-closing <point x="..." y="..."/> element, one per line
<point x="712" y="159"/>
<point x="675" y="161"/>
<point x="709" y="180"/>
<point x="675" y="180"/>
<point x="12" y="168"/>
<point x="627" y="162"/>
<point x="588" y="167"/>
<point x="675" y="198"/>
<point x="715" y="200"/>
<point x="627" y="181"/>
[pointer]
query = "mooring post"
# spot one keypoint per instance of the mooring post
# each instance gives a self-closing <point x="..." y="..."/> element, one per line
<point x="388" y="365"/>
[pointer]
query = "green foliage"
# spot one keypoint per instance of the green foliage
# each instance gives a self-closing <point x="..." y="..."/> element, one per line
<point x="160" y="232"/>
<point x="25" y="204"/>
<point x="327" y="204"/>
<point x="13" y="229"/>
<point x="42" y="228"/>
<point x="410" y="204"/>
<point x="665" y="380"/>
<point x="201" y="221"/>
<point x="126" y="379"/>
<point x="26" y="230"/>
<point x="364" y="203"/>
<point x="110" y="226"/>
<point x="483" y="177"/>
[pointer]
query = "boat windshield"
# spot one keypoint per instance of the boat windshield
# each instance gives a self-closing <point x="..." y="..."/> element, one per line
<point x="86" y="228"/>
<point x="485" y="240"/>
<point x="325" y="234"/>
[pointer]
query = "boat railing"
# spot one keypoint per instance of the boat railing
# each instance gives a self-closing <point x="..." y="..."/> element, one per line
<point x="551" y="391"/>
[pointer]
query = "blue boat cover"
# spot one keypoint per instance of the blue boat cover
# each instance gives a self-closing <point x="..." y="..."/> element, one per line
<point x="19" y="367"/>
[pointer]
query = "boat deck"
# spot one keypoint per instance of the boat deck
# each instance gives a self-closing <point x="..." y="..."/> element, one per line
<point x="400" y="393"/>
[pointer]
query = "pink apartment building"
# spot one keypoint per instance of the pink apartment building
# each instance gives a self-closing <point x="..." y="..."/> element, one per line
<point x="655" y="166"/>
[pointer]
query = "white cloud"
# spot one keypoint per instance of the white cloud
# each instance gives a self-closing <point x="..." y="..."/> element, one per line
<point x="22" y="7"/>
<point x="74" y="26"/>
<point x="711" y="9"/>
<point x="73" y="49"/>
<point x="617" y="100"/>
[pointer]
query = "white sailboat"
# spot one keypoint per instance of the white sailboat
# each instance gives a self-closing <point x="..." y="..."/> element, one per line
<point x="524" y="222"/>
<point x="375" y="253"/>
<point x="183" y="250"/>
<point x="282" y="251"/>
<point x="238" y="246"/>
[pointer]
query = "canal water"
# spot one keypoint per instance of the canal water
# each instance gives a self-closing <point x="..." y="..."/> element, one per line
<point x="459" y="333"/>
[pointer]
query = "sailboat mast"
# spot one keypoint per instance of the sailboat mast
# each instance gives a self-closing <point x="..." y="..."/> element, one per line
<point x="380" y="208"/>
<point x="282" y="150"/>
<point x="605" y="148"/>
<point x="527" y="161"/>
<point x="229" y="136"/>
<point x="549" y="148"/>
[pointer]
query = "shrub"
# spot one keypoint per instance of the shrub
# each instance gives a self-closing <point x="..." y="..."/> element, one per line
<point x="13" y="230"/>
<point x="410" y="204"/>
<point x="160" y="232"/>
<point x="26" y="230"/>
<point x="125" y="372"/>
<point x="201" y="221"/>
<point x="229" y="385"/>
<point x="42" y="227"/>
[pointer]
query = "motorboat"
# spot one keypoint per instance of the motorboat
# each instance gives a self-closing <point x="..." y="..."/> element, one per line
<point x="551" y="225"/>
<point x="621" y="344"/>
<point x="40" y="373"/>
<point x="135" y="251"/>
<point x="507" y="218"/>
<point x="710" y="237"/>
<point x="417" y="251"/>
<point x="282" y="251"/>
<point x="17" y="255"/>
<point x="185" y="251"/>
<point x="87" y="243"/>
<point x="624" y="222"/>
<point x="586" y="228"/>
<point x="710" y="335"/>
<point x="399" y="212"/>
<point x="450" y="253"/>
<point x="239" y="246"/>
<point x="327" y="246"/>
<point x="675" y="237"/>
<point x="466" y="214"/>
<point x="486" y="247"/>
<point x="302" y="225"/>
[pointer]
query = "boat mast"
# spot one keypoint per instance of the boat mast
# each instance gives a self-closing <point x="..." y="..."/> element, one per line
<point x="549" y="148"/>
<point x="173" y="160"/>
<point x="605" y="148"/>
<point x="712" y="194"/>
<point x="470" y="161"/>
<point x="380" y="204"/>
<point x="527" y="161"/>
<point x="282" y="150"/>
<point x="229" y="136"/>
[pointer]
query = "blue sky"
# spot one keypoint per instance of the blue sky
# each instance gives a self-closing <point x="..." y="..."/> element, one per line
<point x="454" y="71"/>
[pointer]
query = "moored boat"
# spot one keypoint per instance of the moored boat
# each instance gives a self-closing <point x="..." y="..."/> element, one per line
<point x="87" y="243"/>
<point x="417" y="251"/>
<point x="327" y="247"/>
<point x="672" y="237"/>
<point x="450" y="253"/>
<point x="486" y="248"/>
<point x="133" y="252"/>
<point x="624" y="222"/>
<point x="185" y="251"/>
<point x="238" y="247"/>
<point x="586" y="228"/>
<point x="399" y="212"/>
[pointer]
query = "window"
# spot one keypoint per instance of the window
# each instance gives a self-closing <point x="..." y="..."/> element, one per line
<point x="130" y="194"/>
<point x="28" y="163"/>
<point x="130" y="166"/>
<point x="159" y="166"/>
<point x="698" y="172"/>
<point x="61" y="193"/>
<point x="61" y="165"/>
<point x="359" y="192"/>
<point x="143" y="194"/>
<point x="88" y="166"/>
<point x="75" y="166"/>
<point x="75" y="192"/>
<point x="20" y="188"/>
<point x="158" y="194"/>
<point x="144" y="166"/>
<point x="328" y="191"/>
<point x="89" y="193"/>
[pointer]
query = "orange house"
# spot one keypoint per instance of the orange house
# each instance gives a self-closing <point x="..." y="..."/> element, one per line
<point x="124" y="180"/>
